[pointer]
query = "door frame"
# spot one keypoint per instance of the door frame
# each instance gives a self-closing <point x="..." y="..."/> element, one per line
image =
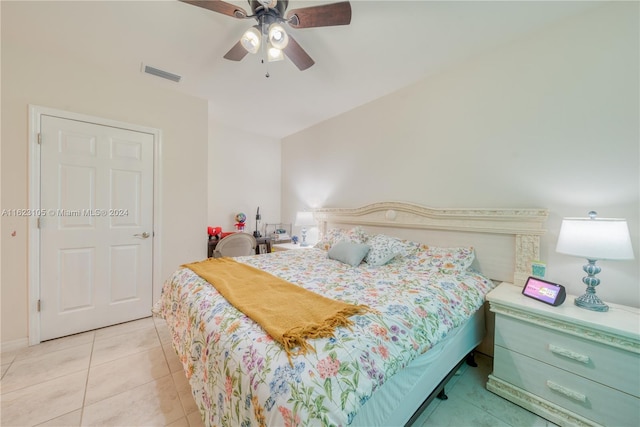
<point x="35" y="114"/>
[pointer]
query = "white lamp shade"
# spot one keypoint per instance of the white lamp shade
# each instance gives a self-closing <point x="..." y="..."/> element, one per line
<point x="251" y="40"/>
<point x="278" y="36"/>
<point x="304" y="219"/>
<point x="595" y="239"/>
<point x="274" y="54"/>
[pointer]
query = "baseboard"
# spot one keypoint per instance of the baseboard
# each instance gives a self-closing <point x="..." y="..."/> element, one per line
<point x="14" y="345"/>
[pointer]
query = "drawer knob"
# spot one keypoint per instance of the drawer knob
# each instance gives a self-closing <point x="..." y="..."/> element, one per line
<point x="579" y="397"/>
<point x="569" y="354"/>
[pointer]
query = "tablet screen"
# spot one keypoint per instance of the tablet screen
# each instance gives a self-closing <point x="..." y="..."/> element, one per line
<point x="541" y="290"/>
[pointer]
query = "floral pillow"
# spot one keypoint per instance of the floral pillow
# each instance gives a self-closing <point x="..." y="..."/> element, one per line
<point x="446" y="260"/>
<point x="335" y="235"/>
<point x="383" y="249"/>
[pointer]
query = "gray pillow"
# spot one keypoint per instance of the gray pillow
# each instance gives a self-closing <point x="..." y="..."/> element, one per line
<point x="348" y="252"/>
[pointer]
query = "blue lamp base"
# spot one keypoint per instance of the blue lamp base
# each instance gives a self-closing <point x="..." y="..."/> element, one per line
<point x="589" y="300"/>
<point x="304" y="242"/>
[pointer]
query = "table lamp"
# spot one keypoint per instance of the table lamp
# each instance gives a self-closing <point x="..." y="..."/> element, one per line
<point x="304" y="219"/>
<point x="594" y="239"/>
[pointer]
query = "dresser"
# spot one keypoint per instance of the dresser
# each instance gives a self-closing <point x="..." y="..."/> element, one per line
<point x="569" y="365"/>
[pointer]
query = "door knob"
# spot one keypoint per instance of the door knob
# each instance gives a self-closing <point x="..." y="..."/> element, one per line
<point x="142" y="236"/>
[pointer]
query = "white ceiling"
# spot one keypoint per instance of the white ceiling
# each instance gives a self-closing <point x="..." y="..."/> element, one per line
<point x="389" y="45"/>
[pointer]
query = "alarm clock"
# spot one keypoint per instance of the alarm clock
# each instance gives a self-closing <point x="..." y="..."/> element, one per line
<point x="544" y="291"/>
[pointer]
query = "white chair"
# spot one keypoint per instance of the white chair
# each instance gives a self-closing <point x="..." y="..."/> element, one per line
<point x="237" y="244"/>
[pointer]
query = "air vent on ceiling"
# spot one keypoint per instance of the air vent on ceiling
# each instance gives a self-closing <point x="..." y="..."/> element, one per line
<point x="161" y="73"/>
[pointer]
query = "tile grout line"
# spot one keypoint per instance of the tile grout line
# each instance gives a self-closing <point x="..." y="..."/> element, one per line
<point x="124" y="332"/>
<point x="7" y="370"/>
<point x="86" y="383"/>
<point x="181" y="371"/>
<point x="175" y="386"/>
<point x="85" y="388"/>
<point x="17" y="361"/>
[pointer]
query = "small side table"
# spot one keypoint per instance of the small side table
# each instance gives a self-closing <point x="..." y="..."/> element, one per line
<point x="572" y="366"/>
<point x="287" y="247"/>
<point x="263" y="246"/>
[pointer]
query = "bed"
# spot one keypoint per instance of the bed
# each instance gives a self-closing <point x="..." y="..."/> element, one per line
<point x="426" y="301"/>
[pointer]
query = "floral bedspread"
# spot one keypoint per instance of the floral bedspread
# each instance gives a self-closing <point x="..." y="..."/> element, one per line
<point x="241" y="377"/>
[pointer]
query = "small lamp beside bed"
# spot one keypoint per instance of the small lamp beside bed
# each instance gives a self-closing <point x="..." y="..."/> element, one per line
<point x="304" y="219"/>
<point x="594" y="239"/>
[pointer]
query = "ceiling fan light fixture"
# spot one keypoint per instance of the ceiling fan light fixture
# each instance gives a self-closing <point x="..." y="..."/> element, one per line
<point x="278" y="37"/>
<point x="268" y="12"/>
<point x="251" y="40"/>
<point x="274" y="54"/>
<point x="268" y="3"/>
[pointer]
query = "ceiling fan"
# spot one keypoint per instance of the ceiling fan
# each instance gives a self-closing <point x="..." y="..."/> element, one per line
<point x="270" y="34"/>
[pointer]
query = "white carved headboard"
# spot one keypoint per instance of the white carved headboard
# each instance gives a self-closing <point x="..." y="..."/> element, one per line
<point x="506" y="241"/>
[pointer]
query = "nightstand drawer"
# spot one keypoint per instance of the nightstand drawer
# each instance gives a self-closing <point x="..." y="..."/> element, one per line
<point x="610" y="366"/>
<point x="603" y="405"/>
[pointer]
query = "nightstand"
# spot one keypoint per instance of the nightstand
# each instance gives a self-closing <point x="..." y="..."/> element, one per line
<point x="277" y="247"/>
<point x="569" y="365"/>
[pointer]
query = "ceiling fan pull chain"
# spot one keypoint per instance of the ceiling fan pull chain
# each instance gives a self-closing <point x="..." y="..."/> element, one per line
<point x="263" y="46"/>
<point x="266" y="63"/>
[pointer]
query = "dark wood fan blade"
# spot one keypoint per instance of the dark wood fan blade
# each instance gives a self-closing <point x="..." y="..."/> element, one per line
<point x="236" y="53"/>
<point x="297" y="55"/>
<point x="220" y="7"/>
<point x="320" y="16"/>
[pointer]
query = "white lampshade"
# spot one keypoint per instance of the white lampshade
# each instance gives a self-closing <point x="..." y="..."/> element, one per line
<point x="274" y="54"/>
<point x="304" y="219"/>
<point x="251" y="40"/>
<point x="595" y="238"/>
<point x="278" y="37"/>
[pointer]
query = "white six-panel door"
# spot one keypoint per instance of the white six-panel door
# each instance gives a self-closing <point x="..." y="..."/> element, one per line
<point x="96" y="187"/>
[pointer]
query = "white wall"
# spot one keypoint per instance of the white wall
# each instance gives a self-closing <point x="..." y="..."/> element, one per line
<point x="244" y="174"/>
<point x="65" y="84"/>
<point x="549" y="121"/>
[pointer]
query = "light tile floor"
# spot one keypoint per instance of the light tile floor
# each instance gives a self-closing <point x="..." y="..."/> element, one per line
<point x="470" y="404"/>
<point x="129" y="375"/>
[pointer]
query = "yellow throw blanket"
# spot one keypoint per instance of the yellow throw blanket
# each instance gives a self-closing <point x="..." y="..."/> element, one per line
<point x="289" y="313"/>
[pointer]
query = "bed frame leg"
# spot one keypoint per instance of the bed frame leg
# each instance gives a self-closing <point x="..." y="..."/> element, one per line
<point x="439" y="392"/>
<point x="471" y="360"/>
